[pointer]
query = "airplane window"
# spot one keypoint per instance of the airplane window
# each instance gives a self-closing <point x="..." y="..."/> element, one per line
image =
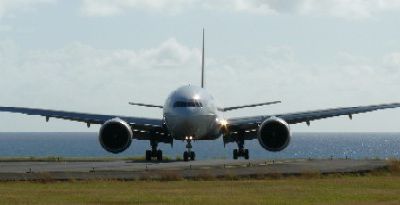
<point x="193" y="103"/>
<point x="180" y="104"/>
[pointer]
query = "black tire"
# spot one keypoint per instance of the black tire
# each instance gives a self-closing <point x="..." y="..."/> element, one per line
<point x="235" y="154"/>
<point x="148" y="155"/>
<point x="246" y="154"/>
<point x="159" y="155"/>
<point x="185" y="156"/>
<point x="192" y="156"/>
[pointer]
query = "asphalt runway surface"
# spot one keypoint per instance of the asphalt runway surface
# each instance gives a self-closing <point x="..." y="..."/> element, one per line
<point x="133" y="170"/>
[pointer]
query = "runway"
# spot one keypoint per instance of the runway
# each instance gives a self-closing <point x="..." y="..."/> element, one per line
<point x="134" y="170"/>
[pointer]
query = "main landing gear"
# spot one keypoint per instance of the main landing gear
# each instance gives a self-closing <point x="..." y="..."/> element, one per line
<point x="154" y="153"/>
<point x="189" y="154"/>
<point x="241" y="152"/>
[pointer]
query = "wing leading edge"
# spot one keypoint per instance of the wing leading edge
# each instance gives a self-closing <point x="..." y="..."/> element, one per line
<point x="138" y="124"/>
<point x="299" y="117"/>
<point x="80" y="117"/>
<point x="251" y="123"/>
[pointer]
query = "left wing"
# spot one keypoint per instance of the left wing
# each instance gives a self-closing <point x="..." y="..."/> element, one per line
<point x="250" y="124"/>
<point x="138" y="124"/>
<point x="145" y="105"/>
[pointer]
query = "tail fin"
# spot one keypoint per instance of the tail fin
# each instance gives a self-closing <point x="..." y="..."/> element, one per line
<point x="202" y="64"/>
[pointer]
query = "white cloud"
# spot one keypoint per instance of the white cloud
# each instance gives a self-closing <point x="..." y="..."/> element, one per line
<point x="244" y="6"/>
<point x="350" y="9"/>
<point x="113" y="7"/>
<point x="106" y="76"/>
<point x="5" y="28"/>
<point x="80" y="77"/>
<point x="9" y="7"/>
<point x="391" y="63"/>
<point x="86" y="69"/>
<point x="393" y="59"/>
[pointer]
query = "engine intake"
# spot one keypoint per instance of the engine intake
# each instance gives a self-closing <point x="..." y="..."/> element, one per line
<point x="115" y="135"/>
<point x="274" y="134"/>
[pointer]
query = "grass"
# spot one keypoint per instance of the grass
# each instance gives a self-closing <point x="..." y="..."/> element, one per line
<point x="347" y="189"/>
<point x="378" y="187"/>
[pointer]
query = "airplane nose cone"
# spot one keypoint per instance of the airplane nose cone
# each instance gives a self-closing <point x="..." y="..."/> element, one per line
<point x="189" y="124"/>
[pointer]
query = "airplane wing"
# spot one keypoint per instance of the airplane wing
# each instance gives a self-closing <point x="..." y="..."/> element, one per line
<point x="249" y="125"/>
<point x="138" y="124"/>
<point x="145" y="105"/>
<point x="308" y="116"/>
<point x="225" y="109"/>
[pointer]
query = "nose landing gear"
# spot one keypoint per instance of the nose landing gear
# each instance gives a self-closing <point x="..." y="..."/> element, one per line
<point x="189" y="154"/>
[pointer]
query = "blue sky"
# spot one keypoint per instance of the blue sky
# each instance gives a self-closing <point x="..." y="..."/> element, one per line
<point x="95" y="56"/>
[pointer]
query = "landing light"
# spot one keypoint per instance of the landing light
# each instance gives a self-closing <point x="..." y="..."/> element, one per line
<point x="196" y="97"/>
<point x="223" y="122"/>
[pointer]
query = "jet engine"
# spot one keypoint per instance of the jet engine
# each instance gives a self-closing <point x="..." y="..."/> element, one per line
<point x="115" y="135"/>
<point x="274" y="134"/>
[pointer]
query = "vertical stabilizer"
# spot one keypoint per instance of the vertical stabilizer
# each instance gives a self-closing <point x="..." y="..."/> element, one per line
<point x="202" y="63"/>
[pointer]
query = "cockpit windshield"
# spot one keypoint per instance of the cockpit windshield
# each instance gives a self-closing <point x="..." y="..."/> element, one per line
<point x="188" y="103"/>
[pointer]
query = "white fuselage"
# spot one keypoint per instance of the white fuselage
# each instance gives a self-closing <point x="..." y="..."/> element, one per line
<point x="190" y="111"/>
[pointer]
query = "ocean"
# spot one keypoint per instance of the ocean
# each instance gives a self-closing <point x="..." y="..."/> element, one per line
<point x="302" y="145"/>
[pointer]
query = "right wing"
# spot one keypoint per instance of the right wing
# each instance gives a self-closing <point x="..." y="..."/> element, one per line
<point x="249" y="125"/>
<point x="139" y="125"/>
<point x="299" y="117"/>
<point x="245" y="106"/>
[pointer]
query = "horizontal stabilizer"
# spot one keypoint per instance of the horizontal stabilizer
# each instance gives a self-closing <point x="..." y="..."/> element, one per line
<point x="145" y="105"/>
<point x="245" y="106"/>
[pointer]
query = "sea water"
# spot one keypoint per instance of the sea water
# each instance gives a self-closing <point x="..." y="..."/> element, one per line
<point x="302" y="145"/>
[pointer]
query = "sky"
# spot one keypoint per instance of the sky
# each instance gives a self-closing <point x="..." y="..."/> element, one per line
<point x="96" y="56"/>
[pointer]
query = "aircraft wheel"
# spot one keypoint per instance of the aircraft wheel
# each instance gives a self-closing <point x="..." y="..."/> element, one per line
<point x="192" y="156"/>
<point x="148" y="155"/>
<point x="246" y="154"/>
<point x="185" y="156"/>
<point x="235" y="154"/>
<point x="159" y="155"/>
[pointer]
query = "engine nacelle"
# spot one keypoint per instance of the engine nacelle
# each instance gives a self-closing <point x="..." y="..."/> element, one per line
<point x="115" y="135"/>
<point x="274" y="134"/>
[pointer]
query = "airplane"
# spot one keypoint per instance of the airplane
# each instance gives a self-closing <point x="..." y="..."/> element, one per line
<point x="190" y="114"/>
